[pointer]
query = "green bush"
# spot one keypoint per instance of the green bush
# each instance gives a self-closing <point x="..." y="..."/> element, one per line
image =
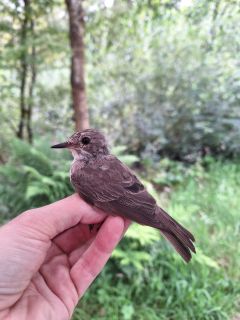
<point x="172" y="75"/>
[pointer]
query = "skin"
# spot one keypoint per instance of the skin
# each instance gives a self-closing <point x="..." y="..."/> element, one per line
<point x="49" y="257"/>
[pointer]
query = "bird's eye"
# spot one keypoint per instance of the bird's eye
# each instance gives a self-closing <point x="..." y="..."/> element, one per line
<point x="85" y="140"/>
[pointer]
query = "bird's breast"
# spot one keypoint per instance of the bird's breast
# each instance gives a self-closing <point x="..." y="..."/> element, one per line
<point x="75" y="171"/>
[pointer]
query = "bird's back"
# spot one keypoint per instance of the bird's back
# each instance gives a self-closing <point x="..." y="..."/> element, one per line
<point x="108" y="184"/>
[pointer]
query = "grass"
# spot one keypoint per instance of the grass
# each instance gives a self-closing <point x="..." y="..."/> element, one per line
<point x="146" y="280"/>
<point x="208" y="203"/>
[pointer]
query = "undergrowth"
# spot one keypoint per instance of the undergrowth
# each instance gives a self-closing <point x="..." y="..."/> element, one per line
<point x="145" y="279"/>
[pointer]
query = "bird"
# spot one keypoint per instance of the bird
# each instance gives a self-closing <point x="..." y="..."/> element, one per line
<point x="103" y="181"/>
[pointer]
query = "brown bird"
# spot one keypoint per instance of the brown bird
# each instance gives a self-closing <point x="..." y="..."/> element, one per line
<point x="105" y="182"/>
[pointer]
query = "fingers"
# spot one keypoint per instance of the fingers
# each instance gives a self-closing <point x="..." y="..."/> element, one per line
<point x="89" y="265"/>
<point x="53" y="219"/>
<point x="75" y="237"/>
<point x="77" y="253"/>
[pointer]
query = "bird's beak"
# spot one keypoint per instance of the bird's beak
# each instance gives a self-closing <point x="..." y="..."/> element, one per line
<point x="61" y="145"/>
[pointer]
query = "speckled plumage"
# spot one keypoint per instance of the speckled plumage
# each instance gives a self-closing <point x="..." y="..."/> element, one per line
<point x="105" y="182"/>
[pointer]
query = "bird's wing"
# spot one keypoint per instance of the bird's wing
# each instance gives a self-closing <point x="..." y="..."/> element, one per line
<point x="113" y="187"/>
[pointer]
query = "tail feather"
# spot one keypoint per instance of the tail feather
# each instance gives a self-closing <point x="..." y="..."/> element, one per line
<point x="179" y="247"/>
<point x="171" y="220"/>
<point x="181" y="239"/>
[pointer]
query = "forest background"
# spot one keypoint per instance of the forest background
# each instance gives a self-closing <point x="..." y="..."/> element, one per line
<point x="162" y="79"/>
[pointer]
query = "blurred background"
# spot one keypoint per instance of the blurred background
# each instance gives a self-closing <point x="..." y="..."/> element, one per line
<point x="162" y="79"/>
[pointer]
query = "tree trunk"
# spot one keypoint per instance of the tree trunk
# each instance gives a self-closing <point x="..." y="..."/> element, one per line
<point x="27" y="75"/>
<point x="76" y="33"/>
<point x="31" y="87"/>
<point x="23" y="72"/>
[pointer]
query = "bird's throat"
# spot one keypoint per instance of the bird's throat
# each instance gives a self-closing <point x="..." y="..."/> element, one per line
<point x="81" y="155"/>
<point x="75" y="154"/>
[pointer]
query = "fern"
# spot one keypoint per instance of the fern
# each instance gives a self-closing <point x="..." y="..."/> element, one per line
<point x="33" y="178"/>
<point x="30" y="179"/>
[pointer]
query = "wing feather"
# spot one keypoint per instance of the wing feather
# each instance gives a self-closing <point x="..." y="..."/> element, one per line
<point x="113" y="186"/>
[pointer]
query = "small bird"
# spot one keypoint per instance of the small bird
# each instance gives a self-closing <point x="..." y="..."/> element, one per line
<point x="103" y="181"/>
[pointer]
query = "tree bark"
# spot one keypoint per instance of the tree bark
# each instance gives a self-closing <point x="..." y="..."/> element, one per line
<point x="31" y="87"/>
<point x="23" y="75"/>
<point x="27" y="75"/>
<point x="76" y="35"/>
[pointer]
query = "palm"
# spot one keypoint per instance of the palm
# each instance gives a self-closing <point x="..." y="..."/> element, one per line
<point x="43" y="277"/>
<point x="52" y="286"/>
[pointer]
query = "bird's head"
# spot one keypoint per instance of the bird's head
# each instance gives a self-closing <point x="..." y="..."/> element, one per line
<point x="86" y="143"/>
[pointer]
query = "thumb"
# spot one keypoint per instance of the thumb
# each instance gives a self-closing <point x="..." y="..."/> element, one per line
<point x="54" y="218"/>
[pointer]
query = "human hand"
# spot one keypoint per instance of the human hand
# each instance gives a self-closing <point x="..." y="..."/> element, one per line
<point x="48" y="258"/>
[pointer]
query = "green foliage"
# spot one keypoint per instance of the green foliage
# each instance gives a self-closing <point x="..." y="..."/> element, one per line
<point x="146" y="279"/>
<point x="31" y="179"/>
<point x="167" y="84"/>
<point x="167" y="172"/>
<point x="166" y="288"/>
<point x="128" y="159"/>
<point x="132" y="253"/>
<point x="173" y="76"/>
<point x="163" y="80"/>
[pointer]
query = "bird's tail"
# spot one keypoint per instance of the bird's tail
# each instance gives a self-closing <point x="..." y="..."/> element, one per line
<point x="181" y="239"/>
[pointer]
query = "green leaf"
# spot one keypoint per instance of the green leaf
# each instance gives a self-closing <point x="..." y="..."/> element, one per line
<point x="127" y="312"/>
